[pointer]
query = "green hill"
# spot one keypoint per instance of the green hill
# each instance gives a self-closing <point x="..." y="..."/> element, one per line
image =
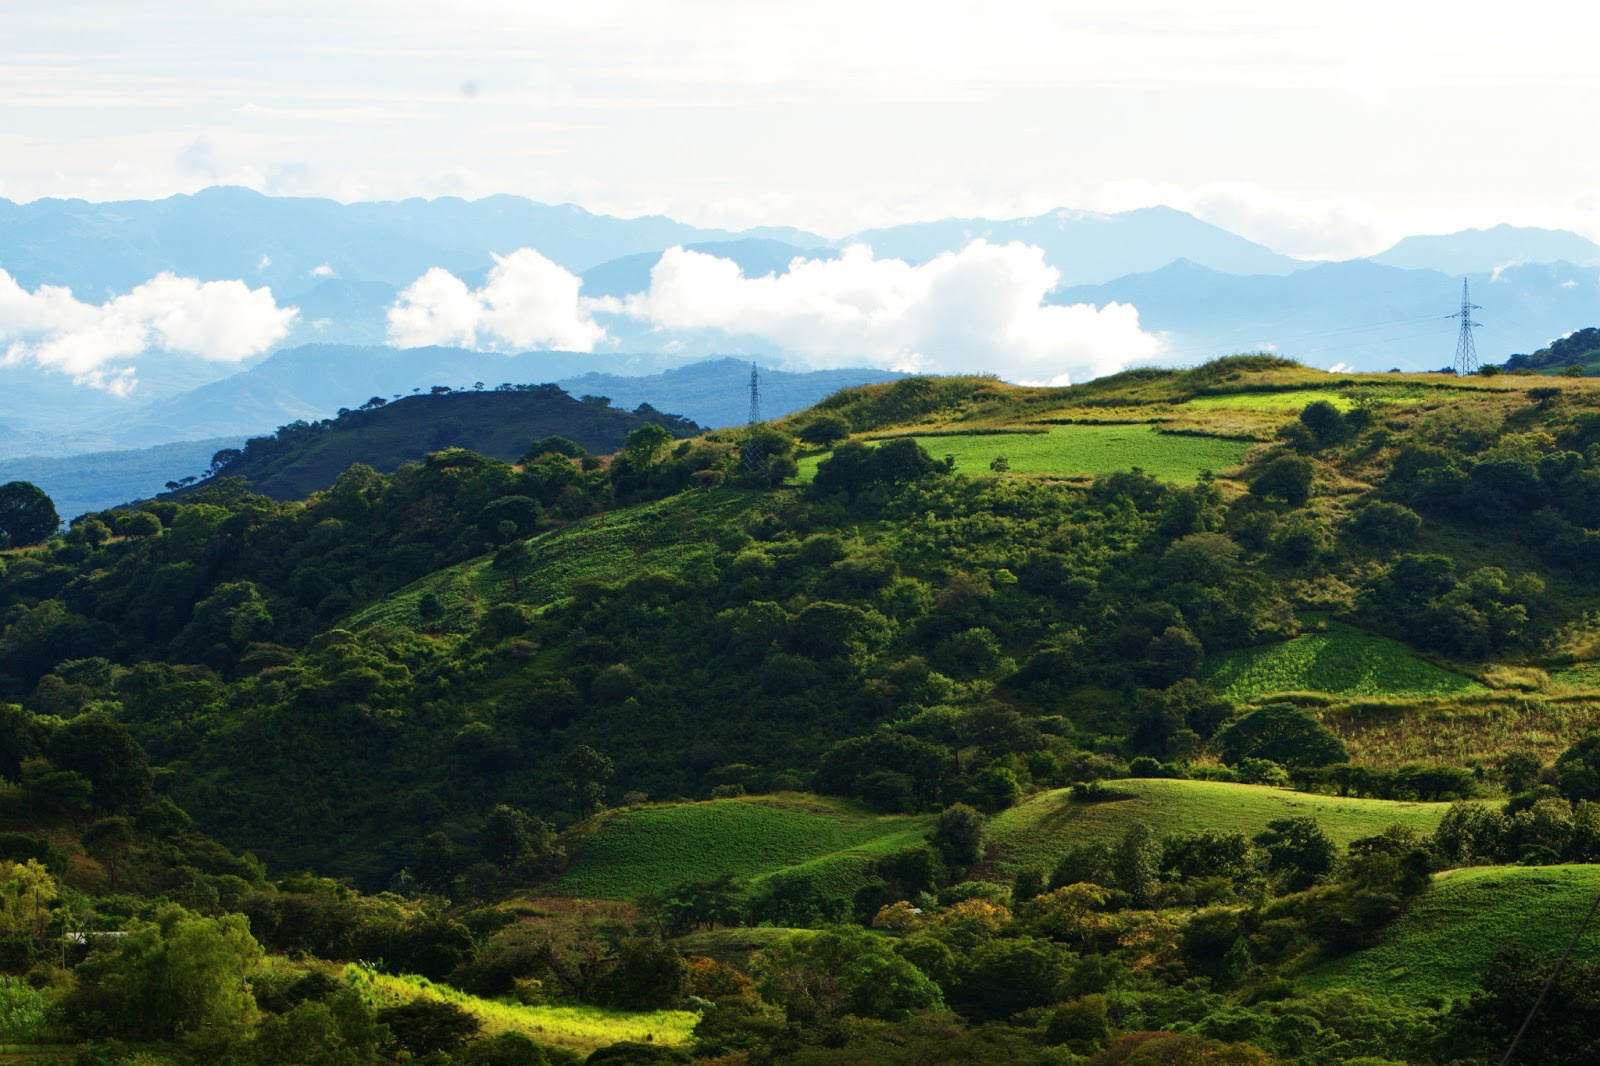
<point x="1038" y="831"/>
<point x="303" y="458"/>
<point x="1440" y="946"/>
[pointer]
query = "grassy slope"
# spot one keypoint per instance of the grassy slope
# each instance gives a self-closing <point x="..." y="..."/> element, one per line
<point x="1343" y="661"/>
<point x="666" y="535"/>
<point x="1039" y="831"/>
<point x="636" y="852"/>
<point x="1440" y="946"/>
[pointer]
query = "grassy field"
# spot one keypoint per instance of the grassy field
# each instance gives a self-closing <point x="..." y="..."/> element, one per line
<point x="636" y="852"/>
<point x="1343" y="661"/>
<point x="577" y="1028"/>
<point x="609" y="546"/>
<point x="1039" y="831"/>
<point x="1470" y="732"/>
<point x="1082" y="451"/>
<point x="1440" y="946"/>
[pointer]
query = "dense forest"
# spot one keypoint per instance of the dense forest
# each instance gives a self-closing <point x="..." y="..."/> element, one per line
<point x="1243" y="714"/>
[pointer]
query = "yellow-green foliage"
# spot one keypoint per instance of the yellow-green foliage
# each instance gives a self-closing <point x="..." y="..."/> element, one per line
<point x="1440" y="946"/>
<point x="1343" y="661"/>
<point x="1039" y="831"/>
<point x="634" y="853"/>
<point x="579" y="1028"/>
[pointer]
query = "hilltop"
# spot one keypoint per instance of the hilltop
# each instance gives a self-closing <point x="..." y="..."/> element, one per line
<point x="302" y="458"/>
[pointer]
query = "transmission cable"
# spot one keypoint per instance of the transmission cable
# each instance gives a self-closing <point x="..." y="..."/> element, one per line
<point x="1549" y="981"/>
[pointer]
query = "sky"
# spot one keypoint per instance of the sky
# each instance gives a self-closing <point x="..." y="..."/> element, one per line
<point x="1322" y="131"/>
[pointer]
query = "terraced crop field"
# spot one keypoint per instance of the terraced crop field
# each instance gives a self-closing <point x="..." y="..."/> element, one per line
<point x="640" y="851"/>
<point x="1040" y="830"/>
<point x="1343" y="661"/>
<point x="1082" y="451"/>
<point x="1440" y="946"/>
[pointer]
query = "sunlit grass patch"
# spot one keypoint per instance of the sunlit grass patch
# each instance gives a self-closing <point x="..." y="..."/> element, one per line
<point x="577" y="1027"/>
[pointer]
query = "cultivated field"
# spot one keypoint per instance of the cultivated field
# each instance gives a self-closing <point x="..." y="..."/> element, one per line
<point x="1081" y="451"/>
<point x="1343" y="661"/>
<point x="639" y="851"/>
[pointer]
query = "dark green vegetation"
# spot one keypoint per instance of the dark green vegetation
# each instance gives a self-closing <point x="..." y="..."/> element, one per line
<point x="306" y="457"/>
<point x="977" y="760"/>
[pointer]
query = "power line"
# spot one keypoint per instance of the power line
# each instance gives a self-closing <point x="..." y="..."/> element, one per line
<point x="1549" y="981"/>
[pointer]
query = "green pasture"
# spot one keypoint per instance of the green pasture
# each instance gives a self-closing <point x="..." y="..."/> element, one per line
<point x="1039" y="831"/>
<point x="574" y="1027"/>
<point x="636" y="852"/>
<point x="1081" y="451"/>
<point x="1343" y="661"/>
<point x="1441" y="944"/>
<point x="664" y="535"/>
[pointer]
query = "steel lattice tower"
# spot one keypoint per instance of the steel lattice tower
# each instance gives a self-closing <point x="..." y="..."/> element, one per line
<point x="752" y="456"/>
<point x="1466" y="347"/>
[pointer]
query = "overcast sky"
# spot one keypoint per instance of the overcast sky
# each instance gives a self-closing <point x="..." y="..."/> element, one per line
<point x="1320" y="130"/>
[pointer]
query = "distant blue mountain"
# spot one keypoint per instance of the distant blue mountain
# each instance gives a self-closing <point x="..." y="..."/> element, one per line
<point x="1481" y="251"/>
<point x="220" y="233"/>
<point x="1090" y="248"/>
<point x="1360" y="313"/>
<point x="313" y="381"/>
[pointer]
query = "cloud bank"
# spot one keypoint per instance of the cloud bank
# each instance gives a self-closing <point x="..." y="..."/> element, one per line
<point x="526" y="302"/>
<point x="221" y="321"/>
<point x="981" y="309"/>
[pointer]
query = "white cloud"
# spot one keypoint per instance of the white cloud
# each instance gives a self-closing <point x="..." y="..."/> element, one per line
<point x="222" y="321"/>
<point x="980" y="309"/>
<point x="1341" y="368"/>
<point x="526" y="302"/>
<point x="322" y="271"/>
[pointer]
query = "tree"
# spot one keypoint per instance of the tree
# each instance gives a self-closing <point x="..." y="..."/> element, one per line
<point x="825" y="430"/>
<point x="644" y="445"/>
<point x="102" y="750"/>
<point x="1297" y="849"/>
<point x="1282" y="734"/>
<point x="27" y="515"/>
<point x="424" y="1026"/>
<point x="1325" y="422"/>
<point x="181" y="975"/>
<point x="587" y="772"/>
<point x="959" y="835"/>
<point x="514" y="559"/>
<point x="1578" y="769"/>
<point x="1286" y="478"/>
